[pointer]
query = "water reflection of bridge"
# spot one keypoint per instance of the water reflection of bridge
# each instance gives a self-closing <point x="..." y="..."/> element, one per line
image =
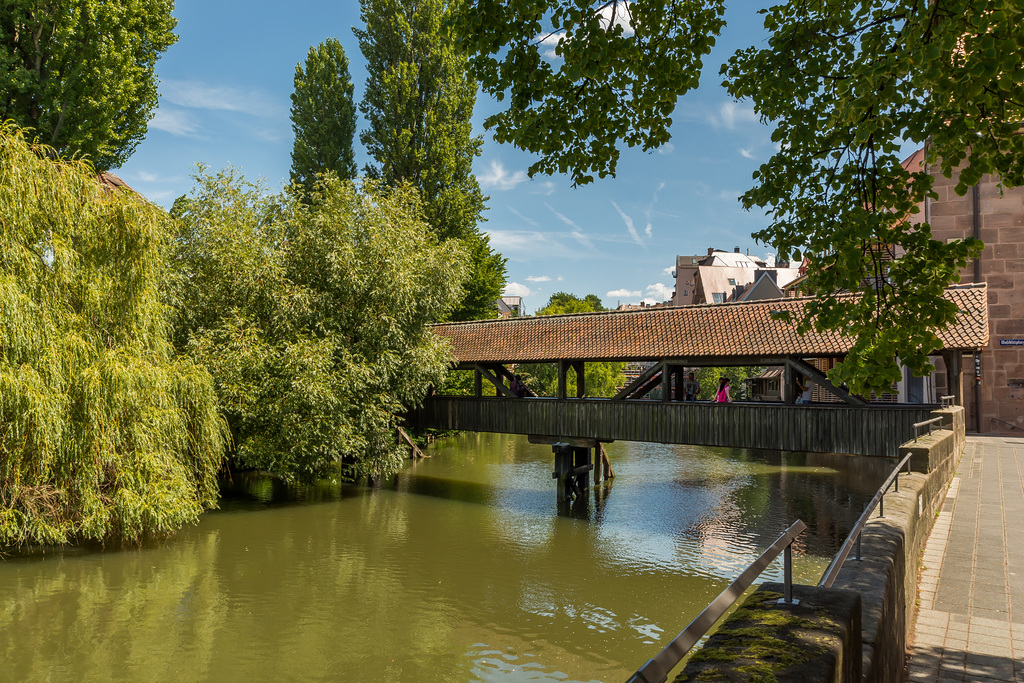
<point x="759" y="333"/>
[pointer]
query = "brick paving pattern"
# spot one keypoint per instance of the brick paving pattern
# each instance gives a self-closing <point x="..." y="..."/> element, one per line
<point x="970" y="622"/>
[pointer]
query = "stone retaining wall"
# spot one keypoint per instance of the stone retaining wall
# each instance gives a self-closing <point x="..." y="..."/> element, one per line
<point x="883" y="583"/>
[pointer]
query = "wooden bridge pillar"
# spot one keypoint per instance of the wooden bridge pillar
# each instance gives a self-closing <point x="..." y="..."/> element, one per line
<point x="572" y="470"/>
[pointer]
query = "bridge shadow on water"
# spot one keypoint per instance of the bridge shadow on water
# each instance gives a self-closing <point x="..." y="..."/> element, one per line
<point x="587" y="507"/>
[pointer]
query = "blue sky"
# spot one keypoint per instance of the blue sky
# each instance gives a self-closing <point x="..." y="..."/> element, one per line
<point x="225" y="90"/>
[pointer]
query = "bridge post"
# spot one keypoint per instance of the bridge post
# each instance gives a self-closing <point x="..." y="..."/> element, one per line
<point x="563" y="367"/>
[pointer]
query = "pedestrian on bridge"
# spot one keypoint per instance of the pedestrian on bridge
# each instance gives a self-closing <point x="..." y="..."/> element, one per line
<point x="691" y="388"/>
<point x="723" y="391"/>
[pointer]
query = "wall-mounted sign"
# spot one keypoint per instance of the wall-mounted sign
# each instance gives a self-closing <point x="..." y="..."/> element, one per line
<point x="1011" y="342"/>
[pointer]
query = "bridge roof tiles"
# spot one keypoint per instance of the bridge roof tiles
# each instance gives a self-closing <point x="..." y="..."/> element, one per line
<point x="716" y="331"/>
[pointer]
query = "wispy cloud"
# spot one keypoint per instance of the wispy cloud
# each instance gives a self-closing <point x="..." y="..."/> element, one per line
<point x="667" y="148"/>
<point x="649" y="211"/>
<point x="669" y="271"/>
<point x="576" y="232"/>
<point x="659" y="291"/>
<point x="197" y="95"/>
<point x="516" y="289"/>
<point x="629" y="225"/>
<point x="497" y="177"/>
<point x="175" y="122"/>
<point x="546" y="188"/>
<point x="727" y="115"/>
<point x="529" y="221"/>
<point x="624" y="294"/>
<point x="748" y="153"/>
<point x="538" y="278"/>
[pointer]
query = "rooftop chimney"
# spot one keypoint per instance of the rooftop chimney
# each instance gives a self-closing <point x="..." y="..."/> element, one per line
<point x="711" y="250"/>
<point x="736" y="250"/>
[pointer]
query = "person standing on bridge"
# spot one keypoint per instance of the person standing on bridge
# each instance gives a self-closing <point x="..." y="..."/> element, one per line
<point x="691" y="388"/>
<point x="806" y="391"/>
<point x="723" y="391"/>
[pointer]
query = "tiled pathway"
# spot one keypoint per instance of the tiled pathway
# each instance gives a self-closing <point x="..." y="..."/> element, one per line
<point x="970" y="624"/>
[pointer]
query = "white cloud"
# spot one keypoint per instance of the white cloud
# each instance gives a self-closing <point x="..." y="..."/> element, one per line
<point x="732" y="113"/>
<point x="668" y="271"/>
<point x="577" y="231"/>
<point x="629" y="225"/>
<point x="497" y="177"/>
<point x="516" y="289"/>
<point x="623" y="294"/>
<point x="748" y="153"/>
<point x="667" y="148"/>
<point x="538" y="278"/>
<point x="528" y="220"/>
<point x="196" y="95"/>
<point x="727" y="115"/>
<point x="175" y="122"/>
<point x="659" y="291"/>
<point x="547" y="188"/>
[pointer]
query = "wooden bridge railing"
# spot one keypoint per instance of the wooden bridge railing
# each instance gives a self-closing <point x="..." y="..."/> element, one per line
<point x="817" y="428"/>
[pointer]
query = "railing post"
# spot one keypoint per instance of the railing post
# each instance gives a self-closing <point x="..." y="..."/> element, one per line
<point x="859" y="537"/>
<point x="787" y="577"/>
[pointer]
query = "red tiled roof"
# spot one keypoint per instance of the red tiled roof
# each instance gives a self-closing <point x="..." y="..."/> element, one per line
<point x="741" y="329"/>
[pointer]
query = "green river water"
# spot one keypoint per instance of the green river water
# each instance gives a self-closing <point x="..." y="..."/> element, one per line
<point x="462" y="569"/>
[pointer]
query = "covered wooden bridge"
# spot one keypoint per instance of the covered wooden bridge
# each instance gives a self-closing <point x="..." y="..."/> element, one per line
<point x="673" y="339"/>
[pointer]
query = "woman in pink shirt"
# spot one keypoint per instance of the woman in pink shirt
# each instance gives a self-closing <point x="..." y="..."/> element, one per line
<point x="723" y="391"/>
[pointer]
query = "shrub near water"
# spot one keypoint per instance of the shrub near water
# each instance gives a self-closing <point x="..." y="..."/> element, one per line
<point x="104" y="433"/>
<point x="312" y="316"/>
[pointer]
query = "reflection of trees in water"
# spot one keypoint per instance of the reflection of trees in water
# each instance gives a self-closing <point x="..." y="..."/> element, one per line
<point x="827" y="491"/>
<point x="85" y="618"/>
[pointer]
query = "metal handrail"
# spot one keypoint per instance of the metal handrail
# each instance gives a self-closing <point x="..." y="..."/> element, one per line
<point x="656" y="670"/>
<point x="855" y="534"/>
<point x="929" y="423"/>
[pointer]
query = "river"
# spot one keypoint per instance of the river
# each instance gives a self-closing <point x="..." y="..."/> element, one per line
<point x="462" y="569"/>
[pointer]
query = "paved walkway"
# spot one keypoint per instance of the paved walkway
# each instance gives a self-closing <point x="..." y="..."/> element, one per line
<point x="970" y="624"/>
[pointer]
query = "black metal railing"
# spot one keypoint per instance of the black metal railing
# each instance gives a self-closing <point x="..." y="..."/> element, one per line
<point x="855" y="534"/>
<point x="657" y="669"/>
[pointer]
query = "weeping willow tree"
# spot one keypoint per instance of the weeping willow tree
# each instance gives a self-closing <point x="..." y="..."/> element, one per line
<point x="105" y="434"/>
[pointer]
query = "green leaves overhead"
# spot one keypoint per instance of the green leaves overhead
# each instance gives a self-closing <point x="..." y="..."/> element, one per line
<point x="104" y="433"/>
<point x="845" y="84"/>
<point x="323" y="116"/>
<point x="82" y="72"/>
<point x="579" y="77"/>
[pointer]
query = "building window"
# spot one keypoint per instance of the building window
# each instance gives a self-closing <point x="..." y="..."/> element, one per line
<point x="732" y="281"/>
<point x="719" y="297"/>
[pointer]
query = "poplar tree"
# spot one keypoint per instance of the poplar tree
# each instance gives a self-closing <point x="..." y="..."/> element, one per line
<point x="323" y="116"/>
<point x="81" y="73"/>
<point x="418" y="104"/>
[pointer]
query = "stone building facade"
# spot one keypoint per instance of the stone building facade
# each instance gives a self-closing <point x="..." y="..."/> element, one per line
<point x="994" y="395"/>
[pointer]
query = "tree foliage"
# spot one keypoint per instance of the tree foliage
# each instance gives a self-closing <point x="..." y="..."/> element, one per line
<point x="418" y="104"/>
<point x="323" y="116"/>
<point x="843" y="82"/>
<point x="312" y="318"/>
<point x="81" y="72"/>
<point x="620" y="68"/>
<point x="104" y="432"/>
<point x="602" y="379"/>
